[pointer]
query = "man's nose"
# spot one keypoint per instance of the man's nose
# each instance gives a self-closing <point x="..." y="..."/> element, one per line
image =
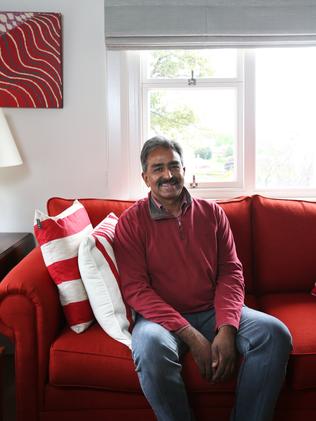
<point x="167" y="173"/>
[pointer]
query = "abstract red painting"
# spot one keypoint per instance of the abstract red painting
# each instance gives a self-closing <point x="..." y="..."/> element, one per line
<point x="31" y="60"/>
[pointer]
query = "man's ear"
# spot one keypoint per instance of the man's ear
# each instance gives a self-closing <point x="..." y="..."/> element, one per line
<point x="145" y="178"/>
<point x="183" y="170"/>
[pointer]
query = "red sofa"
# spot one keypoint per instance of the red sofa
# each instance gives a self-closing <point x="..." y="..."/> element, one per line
<point x="61" y="375"/>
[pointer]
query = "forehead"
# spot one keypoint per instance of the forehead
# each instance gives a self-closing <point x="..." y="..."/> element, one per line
<point x="162" y="155"/>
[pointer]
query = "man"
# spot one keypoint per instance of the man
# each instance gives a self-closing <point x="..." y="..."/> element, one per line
<point x="181" y="274"/>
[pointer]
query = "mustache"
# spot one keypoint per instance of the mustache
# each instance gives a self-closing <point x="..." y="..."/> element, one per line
<point x="172" y="180"/>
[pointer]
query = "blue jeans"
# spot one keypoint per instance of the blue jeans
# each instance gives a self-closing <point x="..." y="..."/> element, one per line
<point x="263" y="341"/>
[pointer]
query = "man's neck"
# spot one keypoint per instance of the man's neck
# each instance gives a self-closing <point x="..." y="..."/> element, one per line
<point x="172" y="205"/>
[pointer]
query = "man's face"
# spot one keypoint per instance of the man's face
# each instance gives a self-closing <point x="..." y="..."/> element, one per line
<point x="164" y="174"/>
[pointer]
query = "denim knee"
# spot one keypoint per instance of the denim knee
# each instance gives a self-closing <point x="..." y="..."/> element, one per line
<point x="154" y="350"/>
<point x="276" y="332"/>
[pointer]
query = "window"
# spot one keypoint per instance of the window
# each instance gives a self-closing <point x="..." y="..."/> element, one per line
<point x="243" y="117"/>
<point x="194" y="96"/>
<point x="285" y="119"/>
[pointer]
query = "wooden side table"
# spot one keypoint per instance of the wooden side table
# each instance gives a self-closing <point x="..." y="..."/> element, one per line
<point x="13" y="247"/>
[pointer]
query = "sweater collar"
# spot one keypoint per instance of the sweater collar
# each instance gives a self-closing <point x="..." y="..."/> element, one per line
<point x="157" y="211"/>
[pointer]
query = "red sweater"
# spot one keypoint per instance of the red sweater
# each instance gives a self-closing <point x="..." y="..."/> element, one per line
<point x="170" y="266"/>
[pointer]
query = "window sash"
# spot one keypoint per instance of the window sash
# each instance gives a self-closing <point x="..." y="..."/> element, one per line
<point x="202" y="83"/>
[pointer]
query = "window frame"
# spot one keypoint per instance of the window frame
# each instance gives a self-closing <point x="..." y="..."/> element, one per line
<point x="126" y="130"/>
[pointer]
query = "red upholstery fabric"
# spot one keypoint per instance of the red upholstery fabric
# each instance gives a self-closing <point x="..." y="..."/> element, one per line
<point x="94" y="360"/>
<point x="284" y="233"/>
<point x="298" y="312"/>
<point x="97" y="209"/>
<point x="76" y="398"/>
<point x="30" y="313"/>
<point x="238" y="212"/>
<point x="99" y="405"/>
<point x="100" y="415"/>
<point x="252" y="301"/>
<point x="291" y="400"/>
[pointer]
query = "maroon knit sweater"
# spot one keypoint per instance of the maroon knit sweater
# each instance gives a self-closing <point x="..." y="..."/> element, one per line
<point x="170" y="266"/>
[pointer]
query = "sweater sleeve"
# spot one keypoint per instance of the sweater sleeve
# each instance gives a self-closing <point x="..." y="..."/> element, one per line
<point x="229" y="296"/>
<point x="130" y="253"/>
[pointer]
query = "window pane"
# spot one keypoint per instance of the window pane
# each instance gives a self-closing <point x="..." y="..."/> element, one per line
<point x="285" y="118"/>
<point x="203" y="121"/>
<point x="173" y="64"/>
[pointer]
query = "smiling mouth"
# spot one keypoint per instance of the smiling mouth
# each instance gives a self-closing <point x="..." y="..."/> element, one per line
<point x="172" y="182"/>
<point x="167" y="185"/>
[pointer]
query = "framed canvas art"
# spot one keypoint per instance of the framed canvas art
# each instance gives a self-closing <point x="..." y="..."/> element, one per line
<point x="31" y="60"/>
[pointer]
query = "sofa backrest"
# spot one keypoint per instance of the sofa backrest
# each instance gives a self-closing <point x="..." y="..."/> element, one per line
<point x="284" y="239"/>
<point x="97" y="208"/>
<point x="237" y="210"/>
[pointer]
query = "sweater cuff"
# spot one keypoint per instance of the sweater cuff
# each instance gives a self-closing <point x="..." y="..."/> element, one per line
<point x="179" y="324"/>
<point x="181" y="329"/>
<point x="231" y="321"/>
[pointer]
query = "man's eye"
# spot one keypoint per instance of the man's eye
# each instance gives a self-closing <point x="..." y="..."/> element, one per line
<point x="157" y="169"/>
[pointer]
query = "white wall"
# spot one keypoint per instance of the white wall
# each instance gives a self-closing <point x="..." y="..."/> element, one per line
<point x="64" y="150"/>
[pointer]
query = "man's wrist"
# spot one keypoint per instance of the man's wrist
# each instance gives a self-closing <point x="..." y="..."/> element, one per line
<point x="188" y="335"/>
<point x="230" y="329"/>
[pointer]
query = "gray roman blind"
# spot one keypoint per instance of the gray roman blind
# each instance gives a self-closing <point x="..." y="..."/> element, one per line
<point x="137" y="24"/>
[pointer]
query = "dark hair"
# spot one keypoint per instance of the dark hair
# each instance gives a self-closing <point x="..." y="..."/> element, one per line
<point x="158" y="142"/>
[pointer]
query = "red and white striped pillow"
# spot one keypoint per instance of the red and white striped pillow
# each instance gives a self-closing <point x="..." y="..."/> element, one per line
<point x="59" y="237"/>
<point x="101" y="278"/>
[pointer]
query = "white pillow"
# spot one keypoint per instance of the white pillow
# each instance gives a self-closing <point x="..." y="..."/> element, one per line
<point x="100" y="276"/>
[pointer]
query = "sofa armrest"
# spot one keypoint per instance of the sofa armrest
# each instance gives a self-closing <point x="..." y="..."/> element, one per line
<point x="31" y="316"/>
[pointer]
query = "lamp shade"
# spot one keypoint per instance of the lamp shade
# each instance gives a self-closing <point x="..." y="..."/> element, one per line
<point x="9" y="154"/>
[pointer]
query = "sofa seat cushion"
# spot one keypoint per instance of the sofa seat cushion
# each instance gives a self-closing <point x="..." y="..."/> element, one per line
<point x="92" y="359"/>
<point x="95" y="360"/>
<point x="298" y="312"/>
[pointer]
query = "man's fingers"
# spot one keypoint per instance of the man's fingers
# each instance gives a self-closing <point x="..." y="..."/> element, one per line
<point x="205" y="370"/>
<point x="221" y="365"/>
<point x="215" y="357"/>
<point x="223" y="353"/>
<point x="208" y="372"/>
<point x="219" y="370"/>
<point x="224" y="371"/>
<point x="216" y="363"/>
<point x="227" y="372"/>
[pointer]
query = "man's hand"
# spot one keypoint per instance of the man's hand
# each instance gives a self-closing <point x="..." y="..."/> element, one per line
<point x="223" y="354"/>
<point x="200" y="349"/>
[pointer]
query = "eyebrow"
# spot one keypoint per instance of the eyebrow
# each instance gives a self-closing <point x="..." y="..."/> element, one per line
<point x="161" y="164"/>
